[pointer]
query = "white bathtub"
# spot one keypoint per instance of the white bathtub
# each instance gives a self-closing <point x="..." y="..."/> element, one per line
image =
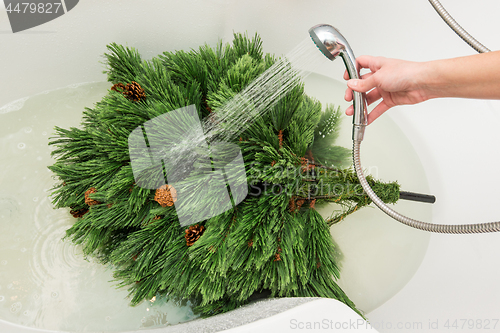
<point x="455" y="139"/>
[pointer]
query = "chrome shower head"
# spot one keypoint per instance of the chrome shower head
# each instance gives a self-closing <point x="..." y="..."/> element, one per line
<point x="328" y="40"/>
<point x="332" y="44"/>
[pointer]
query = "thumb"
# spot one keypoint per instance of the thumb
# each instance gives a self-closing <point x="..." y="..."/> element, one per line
<point x="363" y="85"/>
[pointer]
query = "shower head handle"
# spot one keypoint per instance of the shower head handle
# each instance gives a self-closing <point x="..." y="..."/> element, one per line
<point x="332" y="44"/>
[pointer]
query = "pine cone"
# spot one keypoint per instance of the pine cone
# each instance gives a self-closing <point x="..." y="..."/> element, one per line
<point x="193" y="233"/>
<point x="166" y="195"/>
<point x="312" y="203"/>
<point x="134" y="91"/>
<point x="119" y="87"/>
<point x="280" y="138"/>
<point x="277" y="256"/>
<point x="306" y="164"/>
<point x="299" y="203"/>
<point x="89" y="201"/>
<point x="79" y="212"/>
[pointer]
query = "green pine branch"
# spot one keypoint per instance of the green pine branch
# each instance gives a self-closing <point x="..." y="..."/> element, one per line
<point x="274" y="243"/>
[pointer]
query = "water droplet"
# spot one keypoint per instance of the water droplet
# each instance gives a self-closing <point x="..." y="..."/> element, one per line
<point x="21" y="145"/>
<point x="36" y="296"/>
<point x="108" y="318"/>
<point x="2" y="298"/>
<point x="35" y="199"/>
<point x="28" y="130"/>
<point x="39" y="158"/>
<point x="23" y="249"/>
<point x="54" y="294"/>
<point x="44" y="133"/>
<point x="3" y="262"/>
<point x="26" y="313"/>
<point x="143" y="320"/>
<point x="16" y="307"/>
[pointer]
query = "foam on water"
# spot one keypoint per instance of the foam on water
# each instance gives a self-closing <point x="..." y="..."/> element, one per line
<point x="13" y="106"/>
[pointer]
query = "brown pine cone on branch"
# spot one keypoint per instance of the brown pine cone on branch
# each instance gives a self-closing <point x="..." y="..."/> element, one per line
<point x="119" y="87"/>
<point x="134" y="91"/>
<point x="88" y="200"/>
<point x="166" y="195"/>
<point x="193" y="233"/>
<point x="78" y="212"/>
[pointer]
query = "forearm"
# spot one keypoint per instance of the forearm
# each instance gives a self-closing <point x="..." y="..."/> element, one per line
<point x="476" y="76"/>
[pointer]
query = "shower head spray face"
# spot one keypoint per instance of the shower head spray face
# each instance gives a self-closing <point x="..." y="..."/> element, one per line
<point x="328" y="40"/>
<point x="332" y="44"/>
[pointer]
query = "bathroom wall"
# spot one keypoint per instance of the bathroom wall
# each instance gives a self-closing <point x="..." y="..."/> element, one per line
<point x="456" y="139"/>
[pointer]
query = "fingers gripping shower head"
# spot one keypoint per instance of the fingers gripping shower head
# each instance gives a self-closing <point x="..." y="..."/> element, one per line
<point x="332" y="44"/>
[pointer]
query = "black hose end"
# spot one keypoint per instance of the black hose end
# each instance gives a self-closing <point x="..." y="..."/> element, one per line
<point x="417" y="197"/>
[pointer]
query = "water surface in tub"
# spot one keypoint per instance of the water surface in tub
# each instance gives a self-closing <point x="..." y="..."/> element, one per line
<point x="46" y="282"/>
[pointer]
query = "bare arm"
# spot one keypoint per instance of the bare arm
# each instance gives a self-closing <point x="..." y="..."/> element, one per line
<point x="397" y="82"/>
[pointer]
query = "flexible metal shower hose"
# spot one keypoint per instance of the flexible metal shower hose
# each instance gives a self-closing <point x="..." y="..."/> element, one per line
<point x="439" y="228"/>
<point x="457" y="28"/>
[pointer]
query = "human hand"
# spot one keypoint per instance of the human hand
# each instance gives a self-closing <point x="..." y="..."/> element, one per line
<point x="396" y="82"/>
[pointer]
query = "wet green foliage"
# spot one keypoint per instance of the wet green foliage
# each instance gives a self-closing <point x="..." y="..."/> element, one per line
<point x="274" y="242"/>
